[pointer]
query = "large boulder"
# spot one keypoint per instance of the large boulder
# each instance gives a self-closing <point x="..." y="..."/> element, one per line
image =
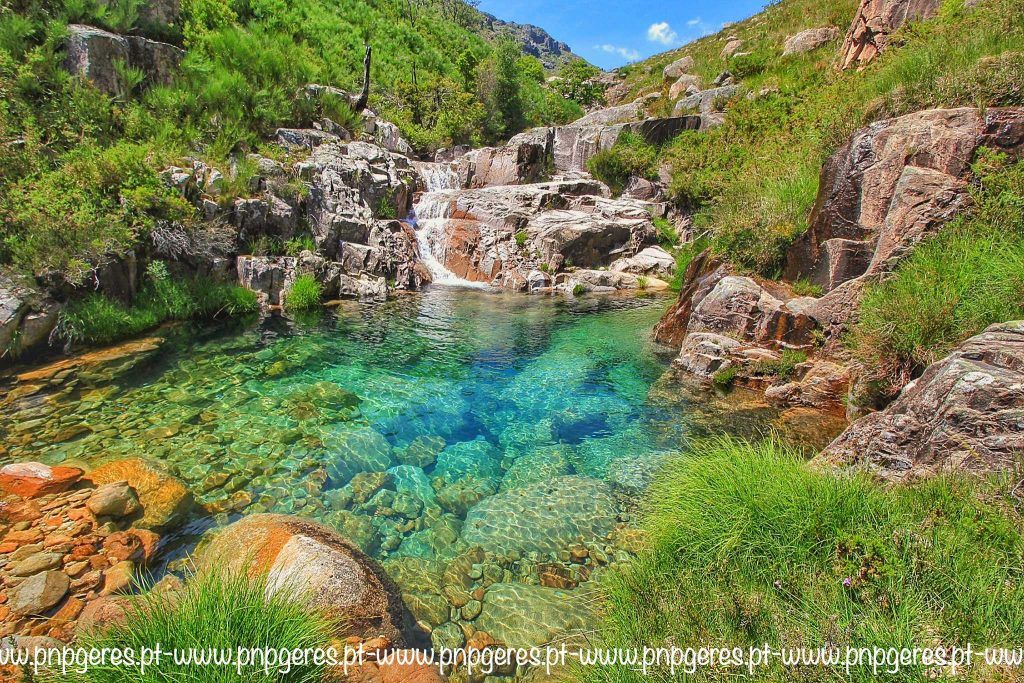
<point x="164" y="498"/>
<point x="523" y="160"/>
<point x="27" y="316"/>
<point x="965" y="413"/>
<point x="93" y="54"/>
<point x="815" y="384"/>
<point x="702" y="273"/>
<point x="875" y="22"/>
<point x="810" y="39"/>
<point x="892" y="185"/>
<point x="310" y="561"/>
<point x="34" y="479"/>
<point x="743" y="308"/>
<point x="649" y="261"/>
<point x="681" y="66"/>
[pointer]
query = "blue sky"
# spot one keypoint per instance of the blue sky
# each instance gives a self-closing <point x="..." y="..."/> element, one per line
<point x="610" y="33"/>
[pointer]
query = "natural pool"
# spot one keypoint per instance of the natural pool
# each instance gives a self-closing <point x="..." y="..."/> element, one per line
<point x="489" y="449"/>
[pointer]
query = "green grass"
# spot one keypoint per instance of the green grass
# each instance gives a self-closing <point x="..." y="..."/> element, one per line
<point x="630" y="156"/>
<point x="753" y="181"/>
<point x="782" y="368"/>
<point x="297" y="245"/>
<point x="98" y="319"/>
<point x="748" y="545"/>
<point x="685" y="253"/>
<point x="212" y="611"/>
<point x="968" y="277"/>
<point x="304" y="294"/>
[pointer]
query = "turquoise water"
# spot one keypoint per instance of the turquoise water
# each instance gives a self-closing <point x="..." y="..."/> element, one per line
<point x="487" y="432"/>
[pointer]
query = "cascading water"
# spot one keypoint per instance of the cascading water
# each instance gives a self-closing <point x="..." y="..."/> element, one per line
<point x="428" y="217"/>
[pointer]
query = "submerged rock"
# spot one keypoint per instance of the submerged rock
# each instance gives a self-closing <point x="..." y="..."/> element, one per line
<point x="518" y="615"/>
<point x="351" y="451"/>
<point x="164" y="498"/>
<point x="310" y="561"/>
<point x="965" y="413"/>
<point x="543" y="517"/>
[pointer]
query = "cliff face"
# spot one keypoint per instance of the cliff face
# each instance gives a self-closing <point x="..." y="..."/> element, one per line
<point x="535" y="41"/>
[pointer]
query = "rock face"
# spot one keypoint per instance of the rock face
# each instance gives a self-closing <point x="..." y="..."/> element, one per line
<point x="300" y="555"/>
<point x="874" y="24"/>
<point x="93" y="53"/>
<point x="964" y="413"/>
<point x="702" y="274"/>
<point x="271" y="276"/>
<point x="649" y="261"/>
<point x="816" y="384"/>
<point x="27" y="317"/>
<point x="523" y="160"/>
<point x="810" y="39"/>
<point x="575" y="143"/>
<point x="500" y="235"/>
<point x="893" y="184"/>
<point x="165" y="500"/>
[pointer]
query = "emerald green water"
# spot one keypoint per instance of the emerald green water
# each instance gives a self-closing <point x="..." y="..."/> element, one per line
<point x="486" y="432"/>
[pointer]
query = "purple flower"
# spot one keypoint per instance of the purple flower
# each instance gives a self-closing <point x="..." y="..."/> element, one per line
<point x="847" y="582"/>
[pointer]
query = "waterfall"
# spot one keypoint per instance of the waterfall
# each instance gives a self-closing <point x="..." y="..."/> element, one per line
<point x="428" y="218"/>
<point x="438" y="177"/>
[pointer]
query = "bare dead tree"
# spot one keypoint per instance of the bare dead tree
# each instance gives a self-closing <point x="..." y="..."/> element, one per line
<point x="364" y="95"/>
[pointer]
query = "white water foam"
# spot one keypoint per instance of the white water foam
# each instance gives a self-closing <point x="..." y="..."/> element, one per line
<point x="428" y="219"/>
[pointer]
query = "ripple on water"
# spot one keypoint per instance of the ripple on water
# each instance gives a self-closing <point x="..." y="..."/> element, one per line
<point x="466" y="439"/>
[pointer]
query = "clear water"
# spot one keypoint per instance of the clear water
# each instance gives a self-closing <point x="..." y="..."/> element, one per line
<point x="510" y="429"/>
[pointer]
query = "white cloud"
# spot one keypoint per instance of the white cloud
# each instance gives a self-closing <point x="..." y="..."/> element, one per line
<point x="661" y="33"/>
<point x="696" y="21"/>
<point x="626" y="53"/>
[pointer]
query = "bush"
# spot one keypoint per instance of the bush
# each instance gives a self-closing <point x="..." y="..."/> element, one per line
<point x="747" y="545"/>
<point x="304" y="294"/>
<point x="212" y="611"/>
<point x="297" y="245"/>
<point x="783" y="368"/>
<point x="521" y="238"/>
<point x="98" y="319"/>
<point x="667" y="234"/>
<point x="956" y="284"/>
<point x="631" y="155"/>
<point x="579" y="289"/>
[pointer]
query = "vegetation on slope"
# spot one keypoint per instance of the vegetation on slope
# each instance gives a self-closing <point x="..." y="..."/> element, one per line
<point x="964" y="279"/>
<point x="753" y="181"/>
<point x="748" y="545"/>
<point x="79" y="168"/>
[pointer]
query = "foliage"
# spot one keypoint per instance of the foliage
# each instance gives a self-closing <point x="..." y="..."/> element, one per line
<point x="579" y="289"/>
<point x="747" y="545"/>
<point x="684" y="254"/>
<point x="667" y="234"/>
<point x="521" y="238"/>
<point x="99" y="319"/>
<point x="217" y="611"/>
<point x="753" y="180"/>
<point x="304" y="294"/>
<point x="498" y="88"/>
<point x="575" y="81"/>
<point x="804" y="287"/>
<point x="724" y="378"/>
<point x="958" y="283"/>
<point x="782" y="368"/>
<point x="631" y="155"/>
<point x="297" y="245"/>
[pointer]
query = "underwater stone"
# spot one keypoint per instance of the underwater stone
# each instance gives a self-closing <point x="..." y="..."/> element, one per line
<point x="544" y="517"/>
<point x="422" y="452"/>
<point x="543" y="464"/>
<point x="518" y="615"/>
<point x="351" y="452"/>
<point x="448" y="636"/>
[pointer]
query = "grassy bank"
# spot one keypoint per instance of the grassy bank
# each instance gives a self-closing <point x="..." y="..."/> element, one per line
<point x="747" y="545"/>
<point x="752" y="181"/>
<point x="99" y="319"/>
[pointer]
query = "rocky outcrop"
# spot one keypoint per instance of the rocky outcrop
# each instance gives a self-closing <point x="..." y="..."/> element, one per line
<point x="500" y="234"/>
<point x="649" y="261"/>
<point x="523" y="160"/>
<point x="702" y="274"/>
<point x="706" y="105"/>
<point x="34" y="479"/>
<point x="676" y="69"/>
<point x="351" y="185"/>
<point x="312" y="562"/>
<point x="687" y="84"/>
<point x="809" y="40"/>
<point x="815" y="384"/>
<point x="271" y="276"/>
<point x="892" y="185"/>
<point x="743" y="308"/>
<point x="93" y="54"/>
<point x="965" y="413"/>
<point x="575" y="143"/>
<point x="875" y="22"/>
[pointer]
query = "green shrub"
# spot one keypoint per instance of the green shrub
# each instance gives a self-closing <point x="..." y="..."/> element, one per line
<point x="579" y="289"/>
<point x="724" y="378"/>
<point x="297" y="245"/>
<point x="642" y="282"/>
<point x="212" y="611"/>
<point x="804" y="287"/>
<point x="953" y="286"/>
<point x="782" y="368"/>
<point x="747" y="545"/>
<point x="304" y="294"/>
<point x="667" y="234"/>
<point x="521" y="238"/>
<point x="98" y="319"/>
<point x="684" y="254"/>
<point x="631" y="155"/>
